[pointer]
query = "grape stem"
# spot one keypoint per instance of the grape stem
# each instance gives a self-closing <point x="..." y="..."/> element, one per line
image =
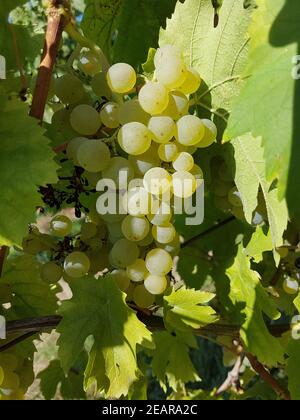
<point x="3" y="253"/>
<point x="233" y="378"/>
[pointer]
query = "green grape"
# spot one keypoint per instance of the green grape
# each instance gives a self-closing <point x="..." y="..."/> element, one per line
<point x="161" y="213"/>
<point x="72" y="148"/>
<point x="92" y="178"/>
<point x="178" y="105"/>
<point x="60" y="122"/>
<point x="164" y="234"/>
<point x="51" y="273"/>
<point x="184" y="162"/>
<point x="61" y="226"/>
<point x="88" y="231"/>
<point x="147" y="241"/>
<point x="6" y="293"/>
<point x="238" y="213"/>
<point x="131" y="111"/>
<point x="191" y="130"/>
<point x="121" y="78"/>
<point x="89" y="63"/>
<point x="115" y="232"/>
<point x="192" y="82"/>
<point x="173" y="248"/>
<point x="120" y="171"/>
<point x="85" y="120"/>
<point x="197" y="172"/>
<point x="142" y="298"/>
<point x="154" y="98"/>
<point x="184" y="184"/>
<point x="100" y="86"/>
<point x="165" y="52"/>
<point x="156" y="285"/>
<point x="134" y="138"/>
<point x="157" y="181"/>
<point x="124" y="253"/>
<point x="69" y="89"/>
<point x="210" y="134"/>
<point x="121" y="278"/>
<point x="9" y="361"/>
<point x="168" y="152"/>
<point x="283" y="251"/>
<point x="77" y="264"/>
<point x="135" y="228"/>
<point x="235" y="198"/>
<point x="146" y="161"/>
<point x="11" y="381"/>
<point x="159" y="262"/>
<point x="93" y="155"/>
<point x="162" y="129"/>
<point x="171" y="72"/>
<point x="137" y="202"/>
<point x="290" y="286"/>
<point x="137" y="271"/>
<point x="109" y="115"/>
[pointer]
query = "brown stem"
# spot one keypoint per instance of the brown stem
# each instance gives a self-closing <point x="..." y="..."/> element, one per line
<point x="268" y="378"/>
<point x="3" y="251"/>
<point x="233" y="377"/>
<point x="56" y="23"/>
<point x="17" y="340"/>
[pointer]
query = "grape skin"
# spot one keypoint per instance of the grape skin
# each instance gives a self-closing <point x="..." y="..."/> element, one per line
<point x="135" y="228"/>
<point x="156" y="285"/>
<point x="142" y="297"/>
<point x="159" y="262"/>
<point x="61" y="226"/>
<point x="191" y="130"/>
<point x="77" y="265"/>
<point x="134" y="138"/>
<point x="121" y="78"/>
<point x="109" y="115"/>
<point x="93" y="155"/>
<point x="69" y="89"/>
<point x="154" y="98"/>
<point x="85" y="120"/>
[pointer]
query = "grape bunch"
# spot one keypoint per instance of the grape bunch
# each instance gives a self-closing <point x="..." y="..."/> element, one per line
<point x="16" y="375"/>
<point x="141" y="137"/>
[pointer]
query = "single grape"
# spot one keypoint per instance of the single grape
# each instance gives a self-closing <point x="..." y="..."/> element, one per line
<point x="93" y="155"/>
<point x="162" y="129"/>
<point x="191" y="130"/>
<point x="210" y="134"/>
<point x="100" y="86"/>
<point x="137" y="202"/>
<point x="184" y="162"/>
<point x="88" y="231"/>
<point x="192" y="82"/>
<point x="172" y="72"/>
<point x="164" y="234"/>
<point x="235" y="198"/>
<point x="135" y="228"/>
<point x="156" y="285"/>
<point x="161" y="213"/>
<point x="283" y="251"/>
<point x="89" y="63"/>
<point x="85" y="120"/>
<point x="154" y="98"/>
<point x="72" y="148"/>
<point x="110" y="115"/>
<point x="131" y="111"/>
<point x="69" y="89"/>
<point x="168" y="152"/>
<point x="165" y="52"/>
<point x="178" y="105"/>
<point x="157" y="181"/>
<point x="159" y="262"/>
<point x="184" y="184"/>
<point x="146" y="161"/>
<point x="197" y="172"/>
<point x="120" y="171"/>
<point x="290" y="286"/>
<point x="124" y="253"/>
<point x="77" y="264"/>
<point x="61" y="226"/>
<point x="134" y="138"/>
<point x="121" y="278"/>
<point x="142" y="297"/>
<point x="121" y="78"/>
<point x="137" y="271"/>
<point x="51" y="273"/>
<point x="60" y="123"/>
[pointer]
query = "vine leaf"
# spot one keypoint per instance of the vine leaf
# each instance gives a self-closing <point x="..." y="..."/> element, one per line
<point x="266" y="105"/>
<point x="26" y="161"/>
<point x="98" y="308"/>
<point x="250" y="176"/>
<point x="260" y="242"/>
<point x="292" y="368"/>
<point x="251" y="301"/>
<point x="219" y="54"/>
<point x="185" y="309"/>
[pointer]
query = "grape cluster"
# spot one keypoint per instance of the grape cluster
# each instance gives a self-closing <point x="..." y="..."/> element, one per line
<point x="141" y="130"/>
<point x="16" y="375"/>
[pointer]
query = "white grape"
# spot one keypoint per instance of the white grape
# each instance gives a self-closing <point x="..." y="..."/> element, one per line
<point x="157" y="181"/>
<point x="109" y="115"/>
<point x="120" y="171"/>
<point x="137" y="202"/>
<point x="164" y="234"/>
<point x="162" y="128"/>
<point x="290" y="286"/>
<point x="178" y="105"/>
<point x="61" y="226"/>
<point x="69" y="89"/>
<point x="168" y="152"/>
<point x="51" y="272"/>
<point x="124" y="253"/>
<point x="154" y="98"/>
<point x="121" y="78"/>
<point x="89" y="63"/>
<point x="134" y="138"/>
<point x="73" y="147"/>
<point x="142" y="297"/>
<point x="131" y="111"/>
<point x="85" y="120"/>
<point x="93" y="155"/>
<point x="135" y="228"/>
<point x="147" y="241"/>
<point x="137" y="271"/>
<point x="165" y="52"/>
<point x="183" y="162"/>
<point x="192" y="82"/>
<point x="100" y="86"/>
<point x="77" y="265"/>
<point x="171" y="72"/>
<point x="184" y="184"/>
<point x="161" y="213"/>
<point x="191" y="130"/>
<point x="159" y="262"/>
<point x="121" y="278"/>
<point x="210" y="134"/>
<point x="146" y="161"/>
<point x="156" y="285"/>
<point x="173" y="248"/>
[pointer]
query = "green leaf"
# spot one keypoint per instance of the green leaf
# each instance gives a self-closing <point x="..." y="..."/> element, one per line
<point x="266" y="105"/>
<point x="219" y="54"/>
<point x="185" y="310"/>
<point x="8" y="5"/>
<point x="171" y="361"/>
<point x="260" y="242"/>
<point x="98" y="309"/>
<point x="26" y="161"/>
<point x="31" y="296"/>
<point x="250" y="176"/>
<point x="293" y="369"/>
<point x="251" y="301"/>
